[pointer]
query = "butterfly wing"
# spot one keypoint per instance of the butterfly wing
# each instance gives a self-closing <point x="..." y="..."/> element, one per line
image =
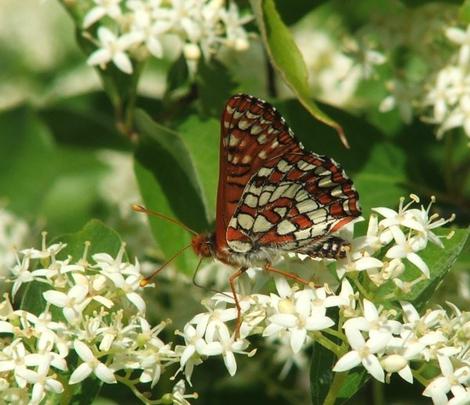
<point x="252" y="133"/>
<point x="272" y="193"/>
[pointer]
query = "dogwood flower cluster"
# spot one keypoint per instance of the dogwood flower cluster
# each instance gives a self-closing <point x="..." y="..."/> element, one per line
<point x="448" y="96"/>
<point x="400" y="235"/>
<point x="92" y="307"/>
<point x="134" y="29"/>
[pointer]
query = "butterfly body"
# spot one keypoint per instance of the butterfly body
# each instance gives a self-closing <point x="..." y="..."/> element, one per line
<point x="273" y="196"/>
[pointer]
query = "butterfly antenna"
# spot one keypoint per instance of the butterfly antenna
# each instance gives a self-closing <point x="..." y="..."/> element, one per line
<point x="141" y="208"/>
<point x="147" y="279"/>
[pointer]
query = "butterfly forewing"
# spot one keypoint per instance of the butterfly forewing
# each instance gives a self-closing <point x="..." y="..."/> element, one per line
<point x="272" y="193"/>
<point x="252" y="133"/>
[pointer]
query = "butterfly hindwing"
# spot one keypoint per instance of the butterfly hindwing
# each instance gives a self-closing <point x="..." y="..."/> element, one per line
<point x="292" y="204"/>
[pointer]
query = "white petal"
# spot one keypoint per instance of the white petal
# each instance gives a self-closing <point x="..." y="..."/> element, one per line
<point x="385" y="212"/>
<point x="282" y="287"/>
<point x="286" y="320"/>
<point x="213" y="349"/>
<point x="355" y="338"/>
<point x="230" y="363"/>
<point x="187" y="353"/>
<point x="155" y="47"/>
<point x="367" y="263"/>
<point x="318" y="323"/>
<point x="80" y="373"/>
<point x="105" y="374"/>
<point x="137" y="300"/>
<point x="6" y="327"/>
<point x="360" y="323"/>
<point x="456" y="35"/>
<point x="418" y="262"/>
<point x="347" y="362"/>
<point x="93" y="15"/>
<point x="297" y="339"/>
<point x="78" y="292"/>
<point x="406" y="374"/>
<point x="99" y="57"/>
<point x="83" y="351"/>
<point x="372" y="364"/>
<point x="56" y="298"/>
<point x="122" y="61"/>
<point x="37" y="393"/>
<point x="103" y="301"/>
<point x="370" y="311"/>
<point x="54" y="385"/>
<point x="106" y="37"/>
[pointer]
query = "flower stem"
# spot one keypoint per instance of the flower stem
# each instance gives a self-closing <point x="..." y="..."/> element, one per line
<point x="338" y="381"/>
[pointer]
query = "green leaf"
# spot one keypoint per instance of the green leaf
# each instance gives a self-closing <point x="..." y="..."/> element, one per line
<point x="287" y="59"/>
<point x="201" y="136"/>
<point x="102" y="238"/>
<point x="215" y="85"/>
<point x="32" y="299"/>
<point x="178" y="77"/>
<point x="28" y="164"/>
<point x="86" y="121"/>
<point x="170" y="185"/>
<point x="439" y="261"/>
<point x="321" y="373"/>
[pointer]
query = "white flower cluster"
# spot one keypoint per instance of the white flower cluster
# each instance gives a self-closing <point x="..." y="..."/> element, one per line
<point x="384" y="345"/>
<point x="103" y="321"/>
<point x="378" y="341"/>
<point x="449" y="93"/>
<point x="402" y="234"/>
<point x="334" y="75"/>
<point x="13" y="234"/>
<point x="141" y="28"/>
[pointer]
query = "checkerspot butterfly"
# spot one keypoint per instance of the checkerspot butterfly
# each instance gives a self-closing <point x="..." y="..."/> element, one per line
<point x="274" y="196"/>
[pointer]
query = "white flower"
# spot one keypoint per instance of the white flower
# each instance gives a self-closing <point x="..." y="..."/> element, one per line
<point x="110" y="8"/>
<point x="90" y="365"/>
<point x="440" y="386"/>
<point x="42" y="381"/>
<point x="214" y="318"/>
<point x="227" y="346"/>
<point x="297" y="317"/>
<point x="73" y="302"/>
<point x="46" y="252"/>
<point x="21" y="274"/>
<point x="378" y="326"/>
<point x="113" y="48"/>
<point x="13" y="358"/>
<point x="129" y="286"/>
<point x="363" y="352"/>
<point x="195" y="343"/>
<point x="405" y="248"/>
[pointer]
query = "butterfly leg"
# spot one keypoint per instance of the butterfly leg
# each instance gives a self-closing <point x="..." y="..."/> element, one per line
<point x="268" y="267"/>
<point x="232" y="280"/>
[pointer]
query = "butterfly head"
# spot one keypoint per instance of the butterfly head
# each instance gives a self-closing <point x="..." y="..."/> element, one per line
<point x="203" y="245"/>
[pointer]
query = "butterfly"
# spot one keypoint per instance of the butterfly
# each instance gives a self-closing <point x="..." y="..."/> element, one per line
<point x="273" y="196"/>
